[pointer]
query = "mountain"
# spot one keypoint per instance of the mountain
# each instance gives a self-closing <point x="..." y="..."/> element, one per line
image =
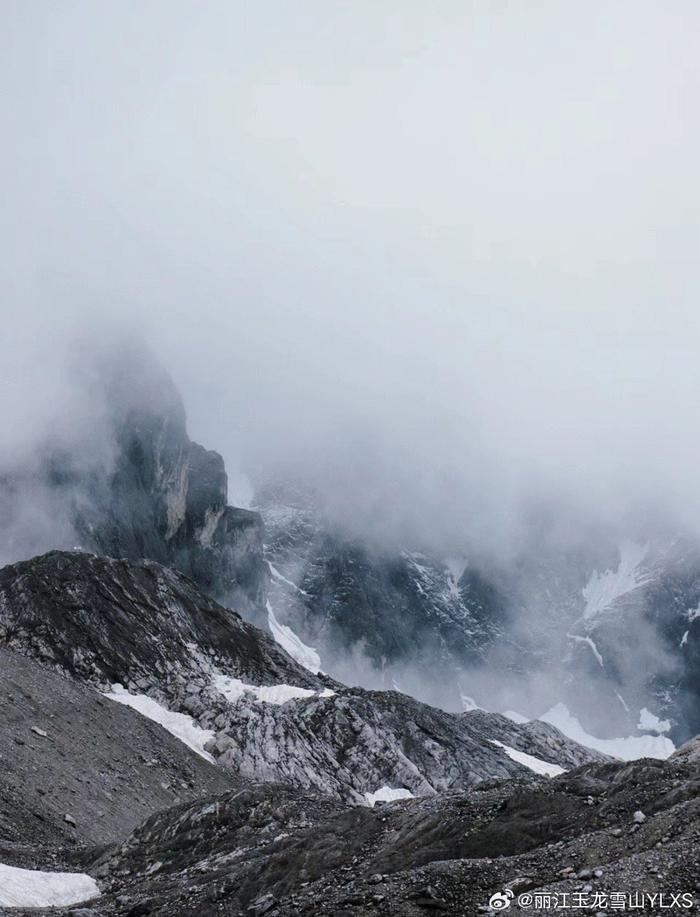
<point x="163" y="756"/>
<point x="144" y="634"/>
<point x="135" y="486"/>
<point x="604" y="627"/>
<point x="609" y="628"/>
<point x="401" y="619"/>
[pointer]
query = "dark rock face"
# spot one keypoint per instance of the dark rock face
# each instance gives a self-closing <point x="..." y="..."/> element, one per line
<point x="139" y="487"/>
<point x="166" y="499"/>
<point x="404" y="619"/>
<point x="106" y="621"/>
<point x="606" y="628"/>
<point x="646" y="639"/>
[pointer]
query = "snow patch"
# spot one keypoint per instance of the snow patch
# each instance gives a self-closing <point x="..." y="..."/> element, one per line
<point x="234" y="689"/>
<point x="388" y="794"/>
<point x="627" y="749"/>
<point x="650" y="722"/>
<point x="180" y="725"/>
<point x="288" y="640"/>
<point x="546" y="768"/>
<point x="603" y="589"/>
<point x="31" y="888"/>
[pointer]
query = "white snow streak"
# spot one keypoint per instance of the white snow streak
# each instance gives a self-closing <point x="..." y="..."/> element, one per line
<point x="603" y="589"/>
<point x="627" y="749"/>
<point x="468" y="703"/>
<point x="546" y="768"/>
<point x="455" y="570"/>
<point x="388" y="794"/>
<point x="281" y="578"/>
<point x="591" y="644"/>
<point x="234" y="689"/>
<point x="31" y="888"/>
<point x="180" y="725"/>
<point x="288" y="640"/>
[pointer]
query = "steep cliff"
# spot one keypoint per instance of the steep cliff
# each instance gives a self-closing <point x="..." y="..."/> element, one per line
<point x="135" y="486"/>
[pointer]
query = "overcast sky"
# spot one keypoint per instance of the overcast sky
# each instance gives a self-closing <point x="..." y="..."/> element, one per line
<point x="443" y="256"/>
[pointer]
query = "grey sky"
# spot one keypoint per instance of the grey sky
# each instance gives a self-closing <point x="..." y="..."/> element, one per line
<point x="443" y="254"/>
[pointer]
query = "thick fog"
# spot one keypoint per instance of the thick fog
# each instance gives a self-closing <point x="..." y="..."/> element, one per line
<point x="439" y="260"/>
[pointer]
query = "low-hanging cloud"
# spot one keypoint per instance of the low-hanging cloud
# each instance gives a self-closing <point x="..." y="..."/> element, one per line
<point x="440" y="260"/>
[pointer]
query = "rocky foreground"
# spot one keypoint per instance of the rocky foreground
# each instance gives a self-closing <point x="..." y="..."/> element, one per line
<point x="253" y="796"/>
<point x="273" y="850"/>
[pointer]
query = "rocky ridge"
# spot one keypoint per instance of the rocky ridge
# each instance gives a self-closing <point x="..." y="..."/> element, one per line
<point x="149" y="629"/>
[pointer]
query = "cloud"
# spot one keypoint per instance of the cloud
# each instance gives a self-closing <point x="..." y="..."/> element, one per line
<point x="440" y="260"/>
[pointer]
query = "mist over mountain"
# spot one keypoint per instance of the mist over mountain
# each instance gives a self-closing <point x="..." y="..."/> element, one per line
<point x="349" y="493"/>
<point x="441" y="274"/>
<point x="438" y="279"/>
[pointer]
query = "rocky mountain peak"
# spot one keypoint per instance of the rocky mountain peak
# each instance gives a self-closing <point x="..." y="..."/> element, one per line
<point x="148" y="491"/>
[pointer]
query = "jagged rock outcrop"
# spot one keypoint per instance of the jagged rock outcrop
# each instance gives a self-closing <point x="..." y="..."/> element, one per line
<point x="136" y="486"/>
<point x="355" y="742"/>
<point x="103" y="621"/>
<point x="149" y="628"/>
